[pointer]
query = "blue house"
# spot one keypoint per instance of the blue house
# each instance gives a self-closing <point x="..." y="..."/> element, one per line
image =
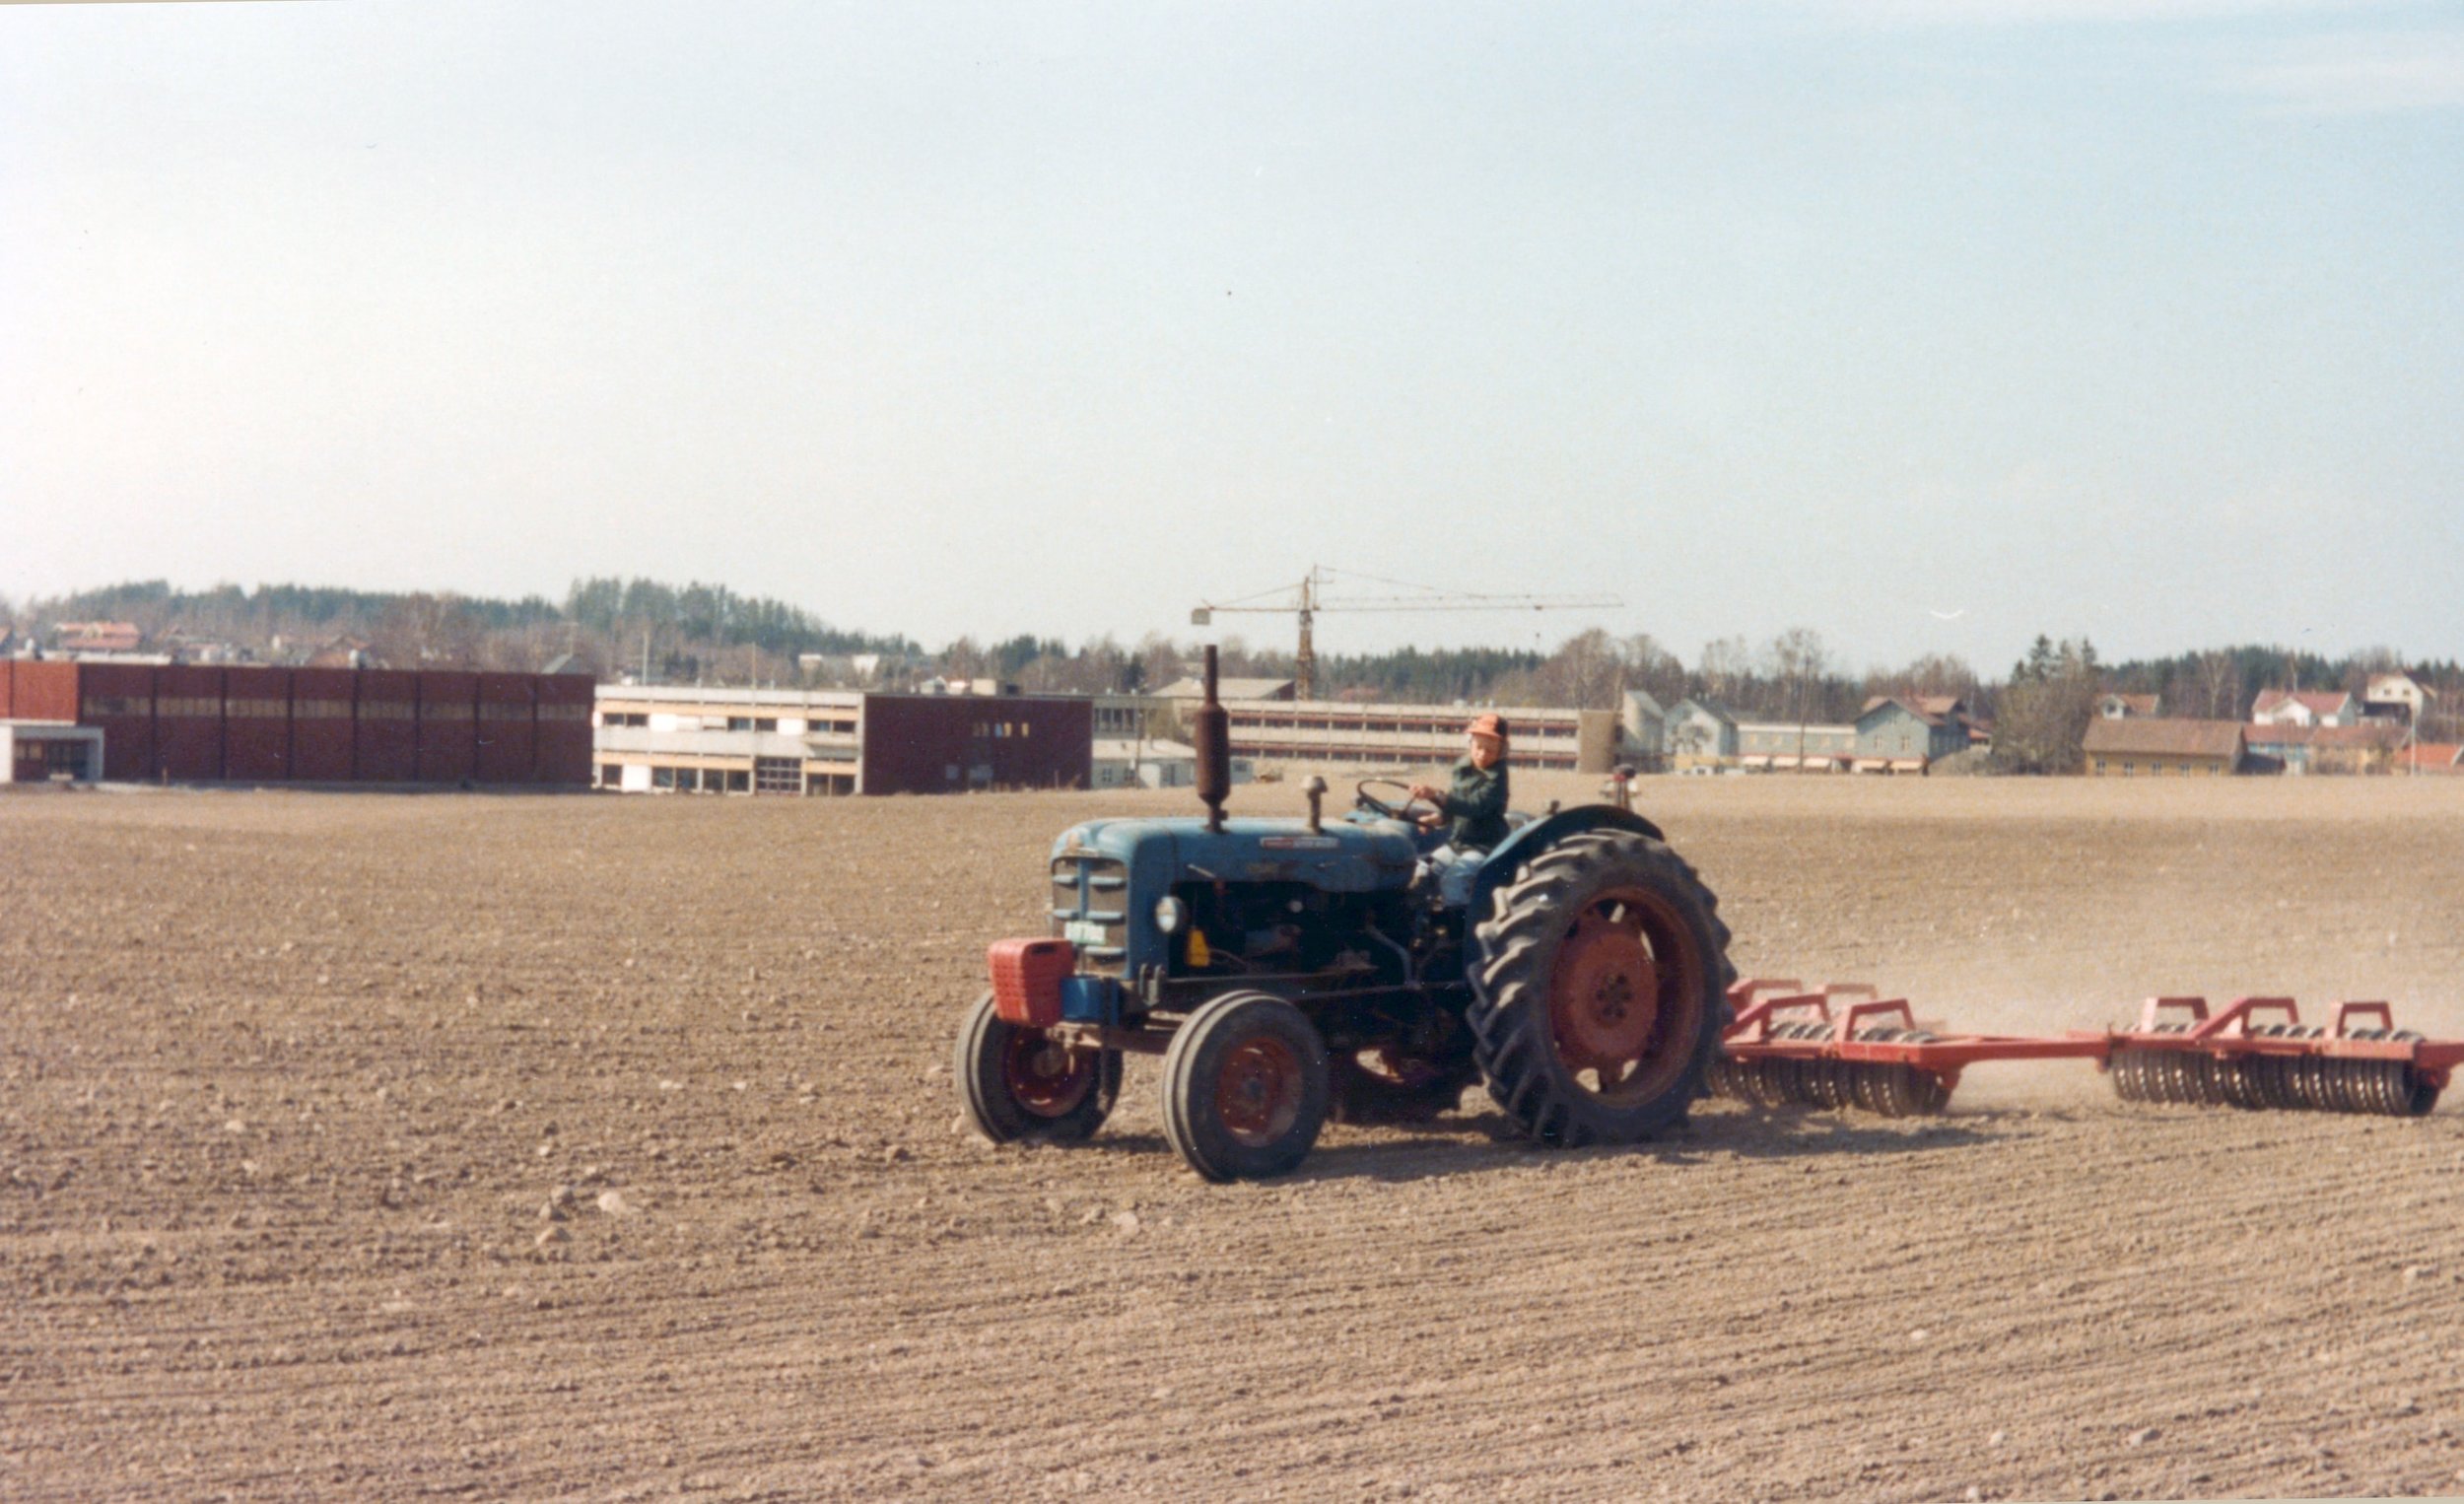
<point x="1902" y="733"/>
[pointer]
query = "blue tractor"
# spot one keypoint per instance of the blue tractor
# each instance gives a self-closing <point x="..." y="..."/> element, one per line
<point x="1289" y="971"/>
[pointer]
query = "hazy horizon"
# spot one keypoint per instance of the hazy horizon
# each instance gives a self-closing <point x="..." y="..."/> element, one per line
<point x="1932" y="326"/>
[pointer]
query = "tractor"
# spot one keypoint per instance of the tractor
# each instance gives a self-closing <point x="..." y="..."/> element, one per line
<point x="1289" y="971"/>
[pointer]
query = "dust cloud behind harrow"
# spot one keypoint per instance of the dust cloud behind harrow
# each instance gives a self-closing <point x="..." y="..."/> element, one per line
<point x="383" y="1146"/>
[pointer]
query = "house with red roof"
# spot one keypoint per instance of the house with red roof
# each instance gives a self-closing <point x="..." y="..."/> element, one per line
<point x="96" y="637"/>
<point x="2440" y="757"/>
<point x="2305" y="707"/>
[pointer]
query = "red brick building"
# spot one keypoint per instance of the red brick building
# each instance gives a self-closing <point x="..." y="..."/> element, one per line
<point x="187" y="722"/>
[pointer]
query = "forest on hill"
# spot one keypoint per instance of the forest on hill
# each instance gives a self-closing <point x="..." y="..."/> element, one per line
<point x="709" y="634"/>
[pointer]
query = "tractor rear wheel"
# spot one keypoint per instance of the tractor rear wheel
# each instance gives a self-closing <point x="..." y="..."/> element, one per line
<point x="1022" y="1083"/>
<point x="1601" y="989"/>
<point x="1245" y="1087"/>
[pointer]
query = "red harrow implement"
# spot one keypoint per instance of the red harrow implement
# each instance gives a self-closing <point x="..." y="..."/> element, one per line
<point x="1843" y="1047"/>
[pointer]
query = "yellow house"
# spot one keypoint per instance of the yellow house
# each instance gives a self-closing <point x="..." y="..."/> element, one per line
<point x="2137" y="747"/>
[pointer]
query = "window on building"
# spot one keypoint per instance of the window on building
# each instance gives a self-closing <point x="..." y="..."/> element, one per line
<point x="765" y="722"/>
<point x="663" y="778"/>
<point x="610" y="775"/>
<point x="739" y="781"/>
<point x="2129" y="768"/>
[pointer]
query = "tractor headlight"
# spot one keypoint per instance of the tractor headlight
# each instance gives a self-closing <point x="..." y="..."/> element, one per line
<point x="1169" y="913"/>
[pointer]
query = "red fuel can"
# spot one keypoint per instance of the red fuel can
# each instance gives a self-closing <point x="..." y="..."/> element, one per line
<point x="1027" y="977"/>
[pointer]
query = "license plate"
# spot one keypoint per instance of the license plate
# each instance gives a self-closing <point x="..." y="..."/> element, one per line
<point x="1084" y="933"/>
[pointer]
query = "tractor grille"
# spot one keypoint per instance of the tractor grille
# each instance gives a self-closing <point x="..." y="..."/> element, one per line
<point x="1090" y="898"/>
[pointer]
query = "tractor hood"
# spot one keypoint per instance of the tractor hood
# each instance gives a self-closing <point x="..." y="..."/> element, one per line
<point x="1345" y="857"/>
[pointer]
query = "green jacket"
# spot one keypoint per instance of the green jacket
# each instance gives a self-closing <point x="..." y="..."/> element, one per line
<point x="1476" y="804"/>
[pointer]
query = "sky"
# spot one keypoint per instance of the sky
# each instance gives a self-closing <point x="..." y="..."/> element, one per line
<point x="1928" y="326"/>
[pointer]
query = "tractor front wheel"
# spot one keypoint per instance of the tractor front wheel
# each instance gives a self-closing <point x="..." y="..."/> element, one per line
<point x="1022" y="1083"/>
<point x="1245" y="1087"/>
<point x="1601" y="993"/>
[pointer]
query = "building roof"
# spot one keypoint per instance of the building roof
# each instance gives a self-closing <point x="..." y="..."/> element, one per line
<point x="2155" y="737"/>
<point x="2431" y="754"/>
<point x="1705" y="703"/>
<point x="1228" y="689"/>
<point x="2380" y="682"/>
<point x="2132" y="704"/>
<point x="2279" y="733"/>
<point x="98" y="637"/>
<point x="688" y="694"/>
<point x="2316" y="702"/>
<point x="1919" y="708"/>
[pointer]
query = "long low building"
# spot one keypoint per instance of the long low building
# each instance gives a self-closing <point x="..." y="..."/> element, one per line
<point x="680" y="739"/>
<point x="1416" y="735"/>
<point x="195" y="722"/>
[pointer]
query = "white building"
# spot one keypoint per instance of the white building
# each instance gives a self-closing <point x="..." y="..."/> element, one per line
<point x="2305" y="708"/>
<point x="37" y="751"/>
<point x="729" y="740"/>
<point x="1645" y="725"/>
<point x="1147" y="761"/>
<point x="2387" y="693"/>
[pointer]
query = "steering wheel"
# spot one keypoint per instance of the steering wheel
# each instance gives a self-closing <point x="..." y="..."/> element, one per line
<point x="1409" y="809"/>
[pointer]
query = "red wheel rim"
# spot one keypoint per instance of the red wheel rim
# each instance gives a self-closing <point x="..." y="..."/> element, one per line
<point x="1046" y="1078"/>
<point x="1626" y="996"/>
<point x="1258" y="1092"/>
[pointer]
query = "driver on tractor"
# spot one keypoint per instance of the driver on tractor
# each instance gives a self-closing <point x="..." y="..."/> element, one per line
<point x="1475" y="804"/>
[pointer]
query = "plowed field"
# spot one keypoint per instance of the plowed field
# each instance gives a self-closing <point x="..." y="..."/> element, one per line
<point x="375" y="1146"/>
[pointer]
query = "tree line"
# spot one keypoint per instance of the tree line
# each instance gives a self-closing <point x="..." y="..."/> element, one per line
<point x="708" y="634"/>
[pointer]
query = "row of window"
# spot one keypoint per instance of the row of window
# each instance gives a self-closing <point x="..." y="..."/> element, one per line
<point x="642" y="718"/>
<point x="1548" y="730"/>
<point x="768" y="775"/>
<point x="2130" y="768"/>
<point x="183" y="706"/>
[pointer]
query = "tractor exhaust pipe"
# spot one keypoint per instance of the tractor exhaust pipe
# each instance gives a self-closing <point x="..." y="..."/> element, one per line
<point x="1213" y="735"/>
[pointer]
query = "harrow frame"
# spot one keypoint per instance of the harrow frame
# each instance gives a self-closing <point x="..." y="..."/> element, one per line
<point x="1843" y="1045"/>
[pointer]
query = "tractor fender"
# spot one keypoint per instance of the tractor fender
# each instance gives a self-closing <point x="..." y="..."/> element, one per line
<point x="1498" y="867"/>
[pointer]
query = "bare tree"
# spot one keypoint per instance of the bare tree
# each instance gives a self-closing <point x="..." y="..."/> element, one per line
<point x="1652" y="668"/>
<point x="1798" y="662"/>
<point x="1159" y="662"/>
<point x="1726" y="667"/>
<point x="2217" y="677"/>
<point x="963" y="659"/>
<point x="1584" y="673"/>
<point x="428" y="631"/>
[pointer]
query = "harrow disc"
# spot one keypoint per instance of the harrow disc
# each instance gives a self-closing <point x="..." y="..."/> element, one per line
<point x="2124" y="1068"/>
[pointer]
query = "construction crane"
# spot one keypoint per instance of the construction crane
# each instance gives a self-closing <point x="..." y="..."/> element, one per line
<point x="1307" y="598"/>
